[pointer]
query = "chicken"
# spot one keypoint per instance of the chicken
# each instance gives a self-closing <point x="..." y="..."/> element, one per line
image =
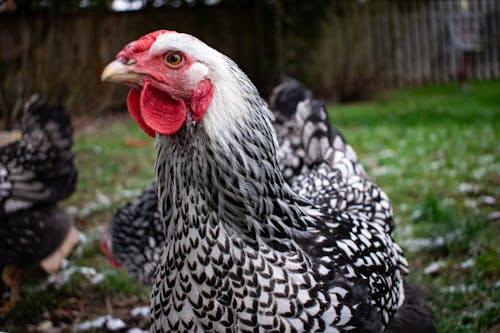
<point x="135" y="236"/>
<point x="318" y="162"/>
<point x="39" y="167"/>
<point x="291" y="131"/>
<point x="243" y="251"/>
<point x="35" y="173"/>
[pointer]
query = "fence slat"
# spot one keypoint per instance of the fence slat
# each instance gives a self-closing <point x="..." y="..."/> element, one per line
<point x="495" y="36"/>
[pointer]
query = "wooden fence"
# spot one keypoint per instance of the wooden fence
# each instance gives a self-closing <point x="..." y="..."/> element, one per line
<point x="363" y="46"/>
<point x="392" y="43"/>
<point x="61" y="55"/>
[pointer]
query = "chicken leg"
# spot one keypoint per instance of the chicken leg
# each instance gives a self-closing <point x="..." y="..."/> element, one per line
<point x="11" y="276"/>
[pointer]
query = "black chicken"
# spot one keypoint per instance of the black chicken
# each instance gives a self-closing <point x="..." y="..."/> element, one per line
<point x="35" y="173"/>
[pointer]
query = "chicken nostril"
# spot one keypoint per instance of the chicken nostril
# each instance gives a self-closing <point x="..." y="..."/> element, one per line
<point x="127" y="61"/>
<point x="130" y="61"/>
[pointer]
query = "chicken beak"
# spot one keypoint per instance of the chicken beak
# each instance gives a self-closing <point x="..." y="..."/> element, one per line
<point x="117" y="71"/>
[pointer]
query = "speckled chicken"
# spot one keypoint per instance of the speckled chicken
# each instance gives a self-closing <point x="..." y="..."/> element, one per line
<point x="245" y="252"/>
<point x="134" y="238"/>
<point x="135" y="235"/>
<point x="35" y="173"/>
<point x="317" y="161"/>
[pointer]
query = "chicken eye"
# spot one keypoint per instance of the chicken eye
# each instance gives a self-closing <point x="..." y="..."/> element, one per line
<point x="174" y="59"/>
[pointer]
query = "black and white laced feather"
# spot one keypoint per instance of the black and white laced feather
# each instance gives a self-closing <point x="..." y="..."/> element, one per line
<point x="135" y="236"/>
<point x="35" y="173"/>
<point x="39" y="167"/>
<point x="317" y="160"/>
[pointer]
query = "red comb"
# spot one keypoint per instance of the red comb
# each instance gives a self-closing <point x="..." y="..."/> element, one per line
<point x="141" y="44"/>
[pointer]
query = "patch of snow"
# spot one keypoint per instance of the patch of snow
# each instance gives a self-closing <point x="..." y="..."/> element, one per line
<point x="91" y="208"/>
<point x="467" y="263"/>
<point x="97" y="278"/>
<point x="493" y="216"/>
<point x="107" y="322"/>
<point x="434" y="267"/>
<point x="72" y="210"/>
<point x="142" y="311"/>
<point x="486" y="159"/>
<point x="115" y="324"/>
<point x="415" y="215"/>
<point x="97" y="149"/>
<point x="479" y="173"/>
<point x="91" y="324"/>
<point x="488" y="200"/>
<point x="435" y="165"/>
<point x="448" y="202"/>
<point x="386" y="153"/>
<point x="384" y="170"/>
<point x="103" y="199"/>
<point x="469" y="203"/>
<point x="405" y="231"/>
<point x="463" y="288"/>
<point x="417" y="244"/>
<point x="83" y="238"/>
<point x="136" y="330"/>
<point x="467" y="188"/>
<point x="459" y="288"/>
<point x="64" y="263"/>
<point x="63" y="277"/>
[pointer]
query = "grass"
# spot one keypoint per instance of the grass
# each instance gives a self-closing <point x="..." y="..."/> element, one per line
<point x="435" y="152"/>
<point x="433" y="149"/>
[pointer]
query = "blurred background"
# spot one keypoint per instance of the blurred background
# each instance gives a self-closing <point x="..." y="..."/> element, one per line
<point x="412" y="84"/>
<point x="342" y="50"/>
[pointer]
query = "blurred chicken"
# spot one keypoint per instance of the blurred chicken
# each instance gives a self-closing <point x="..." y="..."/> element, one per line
<point x="36" y="172"/>
<point x="316" y="159"/>
<point x="134" y="238"/>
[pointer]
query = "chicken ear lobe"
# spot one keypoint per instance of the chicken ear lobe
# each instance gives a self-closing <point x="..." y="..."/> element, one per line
<point x="201" y="98"/>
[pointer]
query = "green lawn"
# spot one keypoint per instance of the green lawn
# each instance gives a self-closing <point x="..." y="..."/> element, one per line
<point x="433" y="149"/>
<point x="436" y="152"/>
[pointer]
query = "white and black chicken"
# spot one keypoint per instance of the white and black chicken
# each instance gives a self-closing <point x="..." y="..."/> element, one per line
<point x="243" y="251"/>
<point x="134" y="238"/>
<point x="35" y="173"/>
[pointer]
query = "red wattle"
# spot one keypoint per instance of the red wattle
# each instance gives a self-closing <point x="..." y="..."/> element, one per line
<point x="155" y="111"/>
<point x="133" y="106"/>
<point x="160" y="111"/>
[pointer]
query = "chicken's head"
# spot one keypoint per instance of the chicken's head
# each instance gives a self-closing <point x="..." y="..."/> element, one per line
<point x="167" y="83"/>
